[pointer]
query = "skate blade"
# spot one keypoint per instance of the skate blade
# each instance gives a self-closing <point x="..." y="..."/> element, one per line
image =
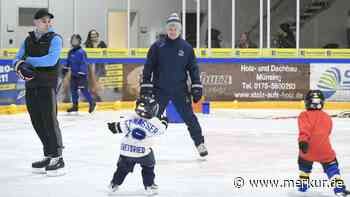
<point x="54" y="173"/>
<point x="152" y="194"/>
<point x="127" y="193"/>
<point x="38" y="171"/>
<point x="307" y="194"/>
<point x="202" y="159"/>
<point x="113" y="193"/>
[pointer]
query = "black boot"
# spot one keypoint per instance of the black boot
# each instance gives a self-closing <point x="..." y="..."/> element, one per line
<point x="92" y="107"/>
<point x="55" y="167"/>
<point x="202" y="150"/>
<point x="74" y="108"/>
<point x="39" y="166"/>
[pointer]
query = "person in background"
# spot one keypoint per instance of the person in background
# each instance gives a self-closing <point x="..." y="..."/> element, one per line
<point x="77" y="64"/>
<point x="245" y="42"/>
<point x="96" y="70"/>
<point x="286" y="38"/>
<point x="168" y="65"/>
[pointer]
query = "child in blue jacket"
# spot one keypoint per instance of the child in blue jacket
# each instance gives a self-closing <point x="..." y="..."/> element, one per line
<point x="77" y="63"/>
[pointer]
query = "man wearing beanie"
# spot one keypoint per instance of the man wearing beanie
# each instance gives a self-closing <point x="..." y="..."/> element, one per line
<point x="37" y="63"/>
<point x="165" y="76"/>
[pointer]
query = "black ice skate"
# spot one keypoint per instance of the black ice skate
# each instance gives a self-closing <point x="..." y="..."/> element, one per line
<point x="345" y="193"/>
<point x="55" y="167"/>
<point x="92" y="107"/>
<point x="39" y="166"/>
<point x="202" y="150"/>
<point x="74" y="108"/>
<point x="112" y="188"/>
<point x="152" y="190"/>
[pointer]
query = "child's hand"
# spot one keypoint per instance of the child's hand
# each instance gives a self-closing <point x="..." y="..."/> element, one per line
<point x="112" y="128"/>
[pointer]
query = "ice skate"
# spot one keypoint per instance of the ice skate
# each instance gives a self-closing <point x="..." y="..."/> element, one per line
<point x="92" y="107"/>
<point x="73" y="109"/>
<point x="55" y="167"/>
<point x="202" y="150"/>
<point x="112" y="188"/>
<point x="343" y="193"/>
<point x="38" y="167"/>
<point x="151" y="190"/>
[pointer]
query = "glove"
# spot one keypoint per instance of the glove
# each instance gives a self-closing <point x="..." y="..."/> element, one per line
<point x="196" y="92"/>
<point x="303" y="146"/>
<point x="24" y="70"/>
<point x="112" y="127"/>
<point x="164" y="120"/>
<point x="146" y="89"/>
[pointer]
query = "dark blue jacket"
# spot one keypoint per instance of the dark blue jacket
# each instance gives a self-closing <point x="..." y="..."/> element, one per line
<point x="168" y="62"/>
<point x="77" y="61"/>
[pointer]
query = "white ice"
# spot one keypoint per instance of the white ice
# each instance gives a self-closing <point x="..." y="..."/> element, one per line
<point x="239" y="143"/>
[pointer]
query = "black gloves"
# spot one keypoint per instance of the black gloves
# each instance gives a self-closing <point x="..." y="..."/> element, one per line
<point x="24" y="70"/>
<point x="304" y="146"/>
<point x="196" y="92"/>
<point x="146" y="89"/>
<point x="112" y="127"/>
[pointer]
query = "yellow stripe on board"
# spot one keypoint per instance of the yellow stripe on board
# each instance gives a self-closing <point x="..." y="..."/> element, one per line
<point x="129" y="105"/>
<point x="206" y="53"/>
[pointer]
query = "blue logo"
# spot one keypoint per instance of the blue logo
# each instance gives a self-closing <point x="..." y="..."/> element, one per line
<point x="333" y="80"/>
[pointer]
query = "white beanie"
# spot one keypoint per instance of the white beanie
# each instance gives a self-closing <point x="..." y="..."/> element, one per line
<point x="174" y="20"/>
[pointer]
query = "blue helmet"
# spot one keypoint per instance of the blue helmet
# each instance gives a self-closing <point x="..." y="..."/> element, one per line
<point x="146" y="107"/>
<point x="314" y="100"/>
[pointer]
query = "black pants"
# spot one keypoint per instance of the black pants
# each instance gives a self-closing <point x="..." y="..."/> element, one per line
<point x="42" y="107"/>
<point x="126" y="165"/>
<point x="183" y="105"/>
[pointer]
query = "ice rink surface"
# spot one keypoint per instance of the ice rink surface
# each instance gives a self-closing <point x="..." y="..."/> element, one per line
<point x="244" y="143"/>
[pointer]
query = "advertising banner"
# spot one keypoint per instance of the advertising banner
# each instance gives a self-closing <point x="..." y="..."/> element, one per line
<point x="255" y="82"/>
<point x="246" y="82"/>
<point x="332" y="79"/>
<point x="11" y="87"/>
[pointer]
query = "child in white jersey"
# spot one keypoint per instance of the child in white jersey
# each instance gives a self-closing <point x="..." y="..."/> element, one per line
<point x="136" y="145"/>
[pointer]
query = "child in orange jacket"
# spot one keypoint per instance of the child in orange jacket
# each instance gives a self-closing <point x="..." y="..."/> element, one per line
<point x="315" y="127"/>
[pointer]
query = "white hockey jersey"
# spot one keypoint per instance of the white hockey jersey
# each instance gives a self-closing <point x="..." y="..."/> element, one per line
<point x="132" y="147"/>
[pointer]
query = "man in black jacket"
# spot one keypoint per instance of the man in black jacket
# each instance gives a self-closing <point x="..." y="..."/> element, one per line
<point x="37" y="63"/>
<point x="165" y="76"/>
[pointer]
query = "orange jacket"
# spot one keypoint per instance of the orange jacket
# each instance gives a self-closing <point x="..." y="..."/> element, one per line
<point x="315" y="126"/>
